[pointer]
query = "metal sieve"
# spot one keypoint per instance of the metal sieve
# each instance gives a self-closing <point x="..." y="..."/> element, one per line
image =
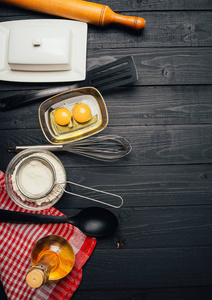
<point x="20" y="185"/>
<point x="53" y="182"/>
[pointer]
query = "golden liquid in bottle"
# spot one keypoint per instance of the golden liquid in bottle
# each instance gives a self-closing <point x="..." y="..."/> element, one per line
<point x="56" y="254"/>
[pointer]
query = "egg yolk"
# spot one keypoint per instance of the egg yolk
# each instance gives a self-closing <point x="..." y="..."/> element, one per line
<point x="81" y="113"/>
<point x="62" y="116"/>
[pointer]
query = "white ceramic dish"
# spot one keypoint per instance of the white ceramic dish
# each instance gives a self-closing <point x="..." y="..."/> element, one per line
<point x="43" y="50"/>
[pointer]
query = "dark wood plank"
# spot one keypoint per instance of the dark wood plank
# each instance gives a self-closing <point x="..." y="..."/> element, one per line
<point x="158" y="227"/>
<point x="156" y="105"/>
<point x="172" y="29"/>
<point x="2" y="292"/>
<point x="188" y="293"/>
<point x="131" y="6"/>
<point x="163" y="29"/>
<point x="169" y="66"/>
<point x="138" y="185"/>
<point x="152" y="145"/>
<point x="152" y="5"/>
<point x="148" y="268"/>
<point x="143" y="186"/>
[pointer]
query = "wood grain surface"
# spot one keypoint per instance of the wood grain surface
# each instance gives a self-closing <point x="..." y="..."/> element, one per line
<point x="162" y="247"/>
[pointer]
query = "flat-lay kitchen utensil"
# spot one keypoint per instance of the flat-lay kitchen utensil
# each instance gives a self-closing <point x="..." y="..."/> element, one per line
<point x="117" y="73"/>
<point x="85" y="11"/>
<point x="46" y="183"/>
<point x="43" y="50"/>
<point x="26" y="189"/>
<point x="11" y="180"/>
<point x="104" y="148"/>
<point x="93" y="221"/>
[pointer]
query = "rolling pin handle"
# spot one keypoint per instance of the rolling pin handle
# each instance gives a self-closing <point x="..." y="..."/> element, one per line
<point x="108" y="16"/>
<point x="134" y="22"/>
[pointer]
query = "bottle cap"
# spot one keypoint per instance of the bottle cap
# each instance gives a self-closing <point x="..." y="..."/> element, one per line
<point x="35" y="278"/>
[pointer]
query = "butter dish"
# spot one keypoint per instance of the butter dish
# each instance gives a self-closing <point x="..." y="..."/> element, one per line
<point x="43" y="50"/>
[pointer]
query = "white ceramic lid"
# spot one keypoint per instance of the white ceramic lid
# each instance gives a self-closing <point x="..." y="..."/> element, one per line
<point x="43" y="50"/>
<point x="38" y="48"/>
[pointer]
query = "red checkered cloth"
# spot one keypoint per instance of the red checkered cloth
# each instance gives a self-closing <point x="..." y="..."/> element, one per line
<point x="16" y="244"/>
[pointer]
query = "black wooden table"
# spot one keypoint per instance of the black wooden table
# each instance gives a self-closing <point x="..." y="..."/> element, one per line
<point x="163" y="247"/>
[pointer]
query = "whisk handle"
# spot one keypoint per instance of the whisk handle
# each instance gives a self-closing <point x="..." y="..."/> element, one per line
<point x="36" y="147"/>
<point x="107" y="148"/>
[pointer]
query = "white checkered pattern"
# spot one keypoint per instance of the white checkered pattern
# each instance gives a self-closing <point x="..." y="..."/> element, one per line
<point x="16" y="243"/>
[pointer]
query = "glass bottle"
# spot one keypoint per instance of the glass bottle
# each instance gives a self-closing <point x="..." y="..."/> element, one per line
<point x="52" y="258"/>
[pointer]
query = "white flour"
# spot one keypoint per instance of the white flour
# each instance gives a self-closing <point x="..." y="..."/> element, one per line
<point x="36" y="179"/>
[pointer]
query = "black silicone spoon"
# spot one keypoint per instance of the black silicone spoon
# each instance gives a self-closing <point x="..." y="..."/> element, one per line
<point x="93" y="221"/>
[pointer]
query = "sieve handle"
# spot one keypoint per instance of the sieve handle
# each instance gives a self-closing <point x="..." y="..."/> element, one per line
<point x="95" y="190"/>
<point x="20" y="217"/>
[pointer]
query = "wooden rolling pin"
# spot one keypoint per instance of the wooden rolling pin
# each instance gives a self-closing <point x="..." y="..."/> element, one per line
<point x="84" y="11"/>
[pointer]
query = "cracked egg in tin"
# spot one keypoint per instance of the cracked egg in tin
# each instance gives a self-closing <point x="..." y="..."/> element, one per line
<point x="73" y="115"/>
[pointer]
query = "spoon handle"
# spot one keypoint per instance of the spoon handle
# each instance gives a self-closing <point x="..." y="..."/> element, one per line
<point x="20" y="217"/>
